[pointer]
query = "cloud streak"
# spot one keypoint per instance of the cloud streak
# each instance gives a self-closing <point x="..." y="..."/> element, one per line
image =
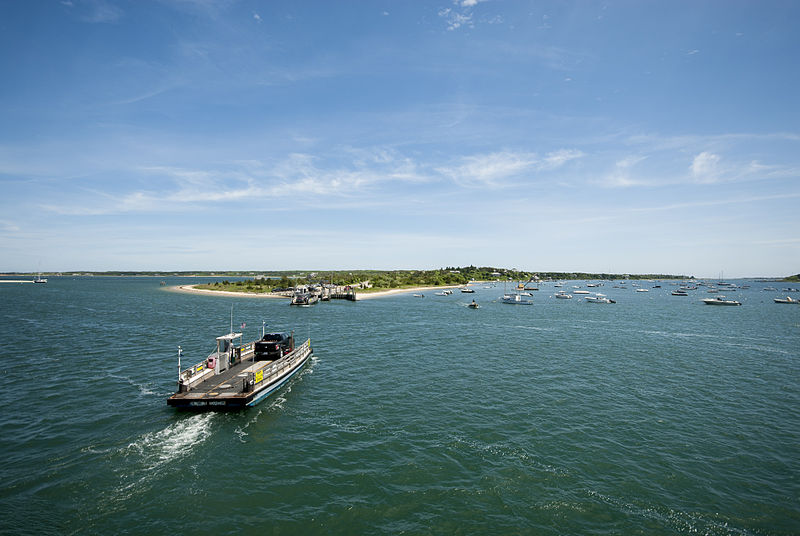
<point x="505" y="168"/>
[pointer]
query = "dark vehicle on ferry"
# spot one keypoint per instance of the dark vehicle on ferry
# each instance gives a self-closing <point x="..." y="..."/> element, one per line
<point x="273" y="346"/>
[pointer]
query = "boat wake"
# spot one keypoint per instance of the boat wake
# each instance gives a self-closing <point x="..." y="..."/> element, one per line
<point x="277" y="401"/>
<point x="146" y="459"/>
<point x="680" y="521"/>
<point x="173" y="442"/>
<point x="144" y="389"/>
<point x="534" y="328"/>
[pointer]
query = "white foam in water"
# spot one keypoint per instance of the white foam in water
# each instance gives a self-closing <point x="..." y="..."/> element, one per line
<point x="174" y="441"/>
<point x="144" y="389"/>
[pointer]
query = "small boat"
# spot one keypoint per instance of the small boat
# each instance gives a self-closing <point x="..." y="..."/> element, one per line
<point x="443" y="293"/>
<point x="642" y="290"/>
<point x="679" y="293"/>
<point x="466" y="290"/>
<point x="474" y="305"/>
<point x="239" y="375"/>
<point x="771" y="289"/>
<point x="40" y="279"/>
<point x="419" y="295"/>
<point x="599" y="298"/>
<point x="581" y="292"/>
<point x="562" y="295"/>
<point x="720" y="301"/>
<point x="788" y="299"/>
<point x="516" y="299"/>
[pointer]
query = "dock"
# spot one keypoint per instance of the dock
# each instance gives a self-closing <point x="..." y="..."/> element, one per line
<point x="342" y="293"/>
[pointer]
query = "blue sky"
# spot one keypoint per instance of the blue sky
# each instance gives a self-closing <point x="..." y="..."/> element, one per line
<point x="631" y="136"/>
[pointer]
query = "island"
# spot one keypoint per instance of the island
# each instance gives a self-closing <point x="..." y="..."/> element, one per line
<point x="377" y="283"/>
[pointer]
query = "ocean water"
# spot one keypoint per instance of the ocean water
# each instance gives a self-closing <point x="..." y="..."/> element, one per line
<point x="654" y="415"/>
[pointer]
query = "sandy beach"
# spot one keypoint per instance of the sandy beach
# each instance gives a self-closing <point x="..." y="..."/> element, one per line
<point x="361" y="295"/>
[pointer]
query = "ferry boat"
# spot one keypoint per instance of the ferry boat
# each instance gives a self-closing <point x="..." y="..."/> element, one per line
<point x="239" y="375"/>
<point x="304" y="299"/>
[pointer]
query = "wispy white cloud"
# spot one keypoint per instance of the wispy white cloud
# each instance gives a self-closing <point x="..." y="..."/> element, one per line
<point x="620" y="175"/>
<point x="456" y="19"/>
<point x="461" y="15"/>
<point x="743" y="200"/>
<point x="495" y="170"/>
<point x="559" y="158"/>
<point x="704" y="167"/>
<point x="357" y="175"/>
<point x="8" y="226"/>
<point x="101" y="12"/>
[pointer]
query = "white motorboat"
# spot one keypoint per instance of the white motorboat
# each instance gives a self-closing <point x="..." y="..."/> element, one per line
<point x="720" y="301"/>
<point x="599" y="298"/>
<point x="516" y="299"/>
<point x="562" y="295"/>
<point x="788" y="299"/>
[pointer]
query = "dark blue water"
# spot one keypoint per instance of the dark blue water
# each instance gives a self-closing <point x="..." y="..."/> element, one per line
<point x="654" y="415"/>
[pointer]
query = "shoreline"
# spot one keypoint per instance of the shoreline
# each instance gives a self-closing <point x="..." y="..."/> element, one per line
<point x="360" y="295"/>
<point x="191" y="290"/>
<point x="393" y="291"/>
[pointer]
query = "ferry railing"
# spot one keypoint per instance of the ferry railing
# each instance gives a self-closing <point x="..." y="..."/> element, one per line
<point x="194" y="375"/>
<point x="272" y="371"/>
